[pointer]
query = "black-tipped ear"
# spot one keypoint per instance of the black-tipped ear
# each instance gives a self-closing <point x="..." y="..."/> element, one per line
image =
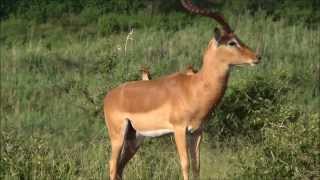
<point x="217" y="34"/>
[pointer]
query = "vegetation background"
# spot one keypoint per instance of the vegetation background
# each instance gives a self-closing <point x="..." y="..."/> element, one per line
<point x="60" y="57"/>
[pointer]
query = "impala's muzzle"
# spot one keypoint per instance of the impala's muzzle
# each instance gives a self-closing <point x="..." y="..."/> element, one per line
<point x="258" y="56"/>
<point x="256" y="60"/>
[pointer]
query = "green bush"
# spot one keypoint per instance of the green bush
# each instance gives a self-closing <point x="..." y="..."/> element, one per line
<point x="90" y="15"/>
<point x="290" y="149"/>
<point x="247" y="108"/>
<point x="294" y="11"/>
<point x="112" y="23"/>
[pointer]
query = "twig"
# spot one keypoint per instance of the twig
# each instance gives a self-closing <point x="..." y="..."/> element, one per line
<point x="129" y="37"/>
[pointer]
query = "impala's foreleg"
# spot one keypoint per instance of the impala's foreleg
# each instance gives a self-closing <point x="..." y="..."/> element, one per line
<point x="194" y="147"/>
<point x="181" y="142"/>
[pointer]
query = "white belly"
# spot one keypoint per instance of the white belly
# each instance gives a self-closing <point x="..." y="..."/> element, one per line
<point x="154" y="133"/>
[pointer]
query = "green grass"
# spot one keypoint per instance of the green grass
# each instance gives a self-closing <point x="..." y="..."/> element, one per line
<point x="53" y="80"/>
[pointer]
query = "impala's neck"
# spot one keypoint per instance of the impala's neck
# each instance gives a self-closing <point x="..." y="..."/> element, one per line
<point x="213" y="77"/>
<point x="213" y="71"/>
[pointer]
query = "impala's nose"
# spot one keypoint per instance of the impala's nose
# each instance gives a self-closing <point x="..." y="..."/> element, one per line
<point x="256" y="60"/>
<point x="258" y="57"/>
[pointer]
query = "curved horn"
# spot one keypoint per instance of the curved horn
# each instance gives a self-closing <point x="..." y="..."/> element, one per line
<point x="187" y="4"/>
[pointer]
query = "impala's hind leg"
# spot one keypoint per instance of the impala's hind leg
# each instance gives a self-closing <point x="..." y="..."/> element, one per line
<point x="131" y="145"/>
<point x="117" y="136"/>
<point x="116" y="146"/>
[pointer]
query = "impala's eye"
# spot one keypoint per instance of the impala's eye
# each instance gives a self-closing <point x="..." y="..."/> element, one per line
<point x="232" y="43"/>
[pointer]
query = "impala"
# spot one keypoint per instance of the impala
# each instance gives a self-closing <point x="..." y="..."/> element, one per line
<point x="174" y="104"/>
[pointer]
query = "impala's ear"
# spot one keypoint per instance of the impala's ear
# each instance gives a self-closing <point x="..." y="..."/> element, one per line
<point x="217" y="34"/>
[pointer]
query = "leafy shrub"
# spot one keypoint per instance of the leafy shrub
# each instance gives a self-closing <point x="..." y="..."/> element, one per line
<point x="90" y="15"/>
<point x="175" y="21"/>
<point x="293" y="10"/>
<point x="245" y="110"/>
<point x="290" y="150"/>
<point x="55" y="9"/>
<point x="110" y="23"/>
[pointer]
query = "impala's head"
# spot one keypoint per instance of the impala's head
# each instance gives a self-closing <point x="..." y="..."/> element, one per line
<point x="231" y="50"/>
<point x="225" y="44"/>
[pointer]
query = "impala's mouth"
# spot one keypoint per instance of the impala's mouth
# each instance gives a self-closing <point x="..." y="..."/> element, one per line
<point x="253" y="63"/>
<point x="256" y="61"/>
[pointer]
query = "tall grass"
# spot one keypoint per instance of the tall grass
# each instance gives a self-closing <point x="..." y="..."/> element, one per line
<point x="53" y="80"/>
